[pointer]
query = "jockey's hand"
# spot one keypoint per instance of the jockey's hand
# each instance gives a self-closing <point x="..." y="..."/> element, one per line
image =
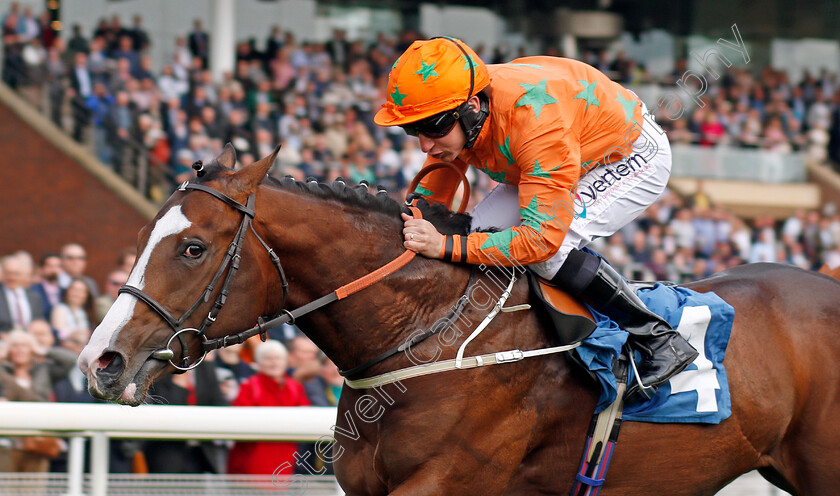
<point x="422" y="237"/>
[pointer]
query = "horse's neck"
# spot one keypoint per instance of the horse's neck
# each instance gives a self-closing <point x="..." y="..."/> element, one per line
<point x="324" y="246"/>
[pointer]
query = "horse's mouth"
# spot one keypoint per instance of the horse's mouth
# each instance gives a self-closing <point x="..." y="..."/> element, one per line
<point x="127" y="390"/>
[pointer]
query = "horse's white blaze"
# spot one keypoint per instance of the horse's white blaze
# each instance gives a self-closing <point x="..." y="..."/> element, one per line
<point x="122" y="311"/>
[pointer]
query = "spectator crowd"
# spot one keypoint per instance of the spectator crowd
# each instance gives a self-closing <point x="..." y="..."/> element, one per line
<point x="686" y="239"/>
<point x="318" y="100"/>
<point x="740" y="109"/>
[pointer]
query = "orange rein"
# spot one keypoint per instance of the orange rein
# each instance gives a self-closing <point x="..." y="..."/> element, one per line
<point x="444" y="165"/>
<point x="382" y="272"/>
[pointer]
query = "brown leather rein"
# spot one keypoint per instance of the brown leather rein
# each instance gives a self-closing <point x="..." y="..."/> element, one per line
<point x="232" y="258"/>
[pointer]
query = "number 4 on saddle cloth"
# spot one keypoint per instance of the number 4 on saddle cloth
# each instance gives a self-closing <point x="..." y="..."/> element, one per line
<point x="698" y="394"/>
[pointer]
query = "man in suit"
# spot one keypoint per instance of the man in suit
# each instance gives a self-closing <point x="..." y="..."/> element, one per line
<point x="199" y="42"/>
<point x="339" y="49"/>
<point x="139" y="37"/>
<point x="273" y="44"/>
<point x="73" y="264"/>
<point x="18" y="304"/>
<point x="48" y="289"/>
<point x="120" y="124"/>
<point x="81" y="88"/>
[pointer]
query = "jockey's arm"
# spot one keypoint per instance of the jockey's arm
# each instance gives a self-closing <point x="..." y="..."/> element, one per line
<point x="550" y="167"/>
<point x="545" y="208"/>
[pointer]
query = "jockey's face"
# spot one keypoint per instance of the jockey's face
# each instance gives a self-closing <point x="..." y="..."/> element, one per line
<point x="446" y="148"/>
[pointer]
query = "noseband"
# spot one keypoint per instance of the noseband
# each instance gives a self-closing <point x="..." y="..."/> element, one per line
<point x="232" y="258"/>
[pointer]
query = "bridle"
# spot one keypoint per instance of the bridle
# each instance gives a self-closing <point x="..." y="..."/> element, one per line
<point x="233" y="258"/>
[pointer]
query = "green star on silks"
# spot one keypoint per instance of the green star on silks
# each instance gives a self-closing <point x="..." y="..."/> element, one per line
<point x="467" y="62"/>
<point x="423" y="191"/>
<point x="585" y="164"/>
<point x="628" y="105"/>
<point x="588" y="94"/>
<point x="539" y="172"/>
<point x="536" y="96"/>
<point x="499" y="177"/>
<point x="500" y="240"/>
<point x="395" y="64"/>
<point x="427" y="70"/>
<point x="397" y="97"/>
<point x="532" y="217"/>
<point x="505" y="149"/>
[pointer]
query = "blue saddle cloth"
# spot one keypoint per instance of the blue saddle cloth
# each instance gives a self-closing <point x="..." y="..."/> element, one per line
<point x="698" y="394"/>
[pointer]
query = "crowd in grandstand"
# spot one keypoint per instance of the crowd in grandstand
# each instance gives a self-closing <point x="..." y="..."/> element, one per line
<point x="317" y="100"/>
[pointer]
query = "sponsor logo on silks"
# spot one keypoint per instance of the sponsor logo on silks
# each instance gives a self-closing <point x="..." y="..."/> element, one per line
<point x="582" y="214"/>
<point x="605" y="179"/>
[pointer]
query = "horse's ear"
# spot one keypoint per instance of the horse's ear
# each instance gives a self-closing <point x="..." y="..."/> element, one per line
<point x="251" y="176"/>
<point x="228" y="157"/>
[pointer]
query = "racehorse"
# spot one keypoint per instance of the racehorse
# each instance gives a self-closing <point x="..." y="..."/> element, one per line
<point x="511" y="429"/>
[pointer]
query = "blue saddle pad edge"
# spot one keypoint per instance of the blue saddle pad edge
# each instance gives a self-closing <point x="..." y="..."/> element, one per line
<point x="604" y="344"/>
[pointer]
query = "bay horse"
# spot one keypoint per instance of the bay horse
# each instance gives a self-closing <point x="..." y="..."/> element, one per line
<point x="509" y="429"/>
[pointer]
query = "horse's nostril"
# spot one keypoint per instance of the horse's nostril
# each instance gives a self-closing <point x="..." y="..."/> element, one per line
<point x="106" y="359"/>
<point x="111" y="365"/>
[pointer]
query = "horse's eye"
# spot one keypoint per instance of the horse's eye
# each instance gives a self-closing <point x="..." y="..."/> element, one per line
<point x="193" y="251"/>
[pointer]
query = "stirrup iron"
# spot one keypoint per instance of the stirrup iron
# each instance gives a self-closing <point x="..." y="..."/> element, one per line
<point x="638" y="378"/>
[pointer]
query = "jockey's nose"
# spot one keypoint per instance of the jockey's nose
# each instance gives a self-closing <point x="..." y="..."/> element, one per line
<point x="426" y="143"/>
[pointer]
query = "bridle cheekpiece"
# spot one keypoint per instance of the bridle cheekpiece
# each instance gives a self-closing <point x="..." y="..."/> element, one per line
<point x="231" y="259"/>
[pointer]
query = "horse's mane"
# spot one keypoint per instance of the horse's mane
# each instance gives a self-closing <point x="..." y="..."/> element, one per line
<point x="446" y="221"/>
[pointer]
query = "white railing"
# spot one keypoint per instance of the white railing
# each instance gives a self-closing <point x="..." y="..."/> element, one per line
<point x="174" y="422"/>
<point x="100" y="422"/>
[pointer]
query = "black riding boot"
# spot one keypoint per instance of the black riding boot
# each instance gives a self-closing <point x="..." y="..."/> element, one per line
<point x="664" y="352"/>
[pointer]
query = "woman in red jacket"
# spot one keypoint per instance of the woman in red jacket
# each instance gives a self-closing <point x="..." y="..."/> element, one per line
<point x="271" y="386"/>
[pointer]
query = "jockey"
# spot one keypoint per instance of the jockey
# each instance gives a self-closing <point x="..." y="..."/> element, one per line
<point x="577" y="158"/>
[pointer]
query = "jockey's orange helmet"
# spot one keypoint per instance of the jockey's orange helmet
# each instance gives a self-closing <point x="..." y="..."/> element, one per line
<point x="430" y="77"/>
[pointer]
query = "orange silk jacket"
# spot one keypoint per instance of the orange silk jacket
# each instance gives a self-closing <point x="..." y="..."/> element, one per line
<point x="551" y="120"/>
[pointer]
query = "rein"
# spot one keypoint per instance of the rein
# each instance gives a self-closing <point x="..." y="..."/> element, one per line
<point x="233" y="258"/>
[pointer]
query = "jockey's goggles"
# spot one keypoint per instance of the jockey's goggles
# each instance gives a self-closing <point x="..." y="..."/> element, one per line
<point x="436" y="126"/>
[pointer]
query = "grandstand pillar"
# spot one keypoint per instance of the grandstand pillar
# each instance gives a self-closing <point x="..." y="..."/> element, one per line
<point x="223" y="38"/>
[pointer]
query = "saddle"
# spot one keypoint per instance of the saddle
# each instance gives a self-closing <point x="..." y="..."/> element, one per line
<point x="572" y="321"/>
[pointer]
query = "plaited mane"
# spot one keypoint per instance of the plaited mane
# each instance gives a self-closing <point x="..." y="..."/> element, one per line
<point x="339" y="191"/>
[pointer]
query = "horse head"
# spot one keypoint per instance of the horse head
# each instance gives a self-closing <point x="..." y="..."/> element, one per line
<point x="184" y="262"/>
